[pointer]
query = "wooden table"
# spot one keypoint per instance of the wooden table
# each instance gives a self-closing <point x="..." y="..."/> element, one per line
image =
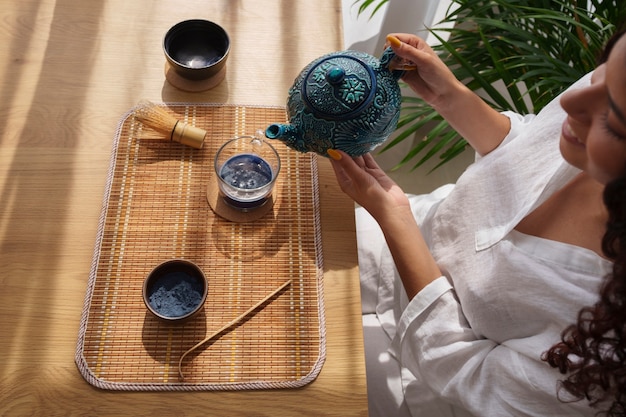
<point x="69" y="70"/>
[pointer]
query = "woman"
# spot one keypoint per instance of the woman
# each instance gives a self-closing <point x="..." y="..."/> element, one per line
<point x="504" y="260"/>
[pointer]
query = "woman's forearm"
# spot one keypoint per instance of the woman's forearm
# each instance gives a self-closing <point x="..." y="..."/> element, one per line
<point x="483" y="127"/>
<point x="363" y="180"/>
<point x="415" y="264"/>
<point x="479" y="124"/>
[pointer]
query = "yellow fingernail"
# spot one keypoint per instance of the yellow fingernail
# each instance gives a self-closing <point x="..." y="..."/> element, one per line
<point x="393" y="41"/>
<point x="333" y="154"/>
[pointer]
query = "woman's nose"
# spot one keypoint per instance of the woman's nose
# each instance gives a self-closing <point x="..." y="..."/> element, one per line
<point x="583" y="103"/>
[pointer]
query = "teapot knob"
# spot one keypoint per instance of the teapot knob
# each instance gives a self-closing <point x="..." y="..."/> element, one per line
<point x="335" y="75"/>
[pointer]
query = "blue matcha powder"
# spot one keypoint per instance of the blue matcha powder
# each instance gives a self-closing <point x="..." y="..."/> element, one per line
<point x="177" y="301"/>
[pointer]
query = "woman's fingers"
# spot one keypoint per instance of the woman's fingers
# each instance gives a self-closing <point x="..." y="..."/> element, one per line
<point x="370" y="162"/>
<point x="351" y="172"/>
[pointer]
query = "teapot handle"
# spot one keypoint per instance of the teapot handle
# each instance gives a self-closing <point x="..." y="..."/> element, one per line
<point x="385" y="61"/>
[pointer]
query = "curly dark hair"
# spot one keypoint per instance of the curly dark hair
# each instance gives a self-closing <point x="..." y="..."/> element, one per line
<point x="598" y="339"/>
<point x="593" y="351"/>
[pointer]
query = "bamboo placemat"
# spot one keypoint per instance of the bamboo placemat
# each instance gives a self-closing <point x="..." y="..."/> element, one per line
<point x="155" y="208"/>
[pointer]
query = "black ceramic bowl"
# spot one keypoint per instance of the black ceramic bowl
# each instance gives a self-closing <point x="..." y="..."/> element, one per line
<point x="196" y="49"/>
<point x="175" y="290"/>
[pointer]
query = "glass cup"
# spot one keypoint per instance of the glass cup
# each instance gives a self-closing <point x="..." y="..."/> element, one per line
<point x="246" y="168"/>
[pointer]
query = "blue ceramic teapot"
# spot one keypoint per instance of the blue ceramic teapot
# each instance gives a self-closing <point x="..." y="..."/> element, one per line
<point x="346" y="100"/>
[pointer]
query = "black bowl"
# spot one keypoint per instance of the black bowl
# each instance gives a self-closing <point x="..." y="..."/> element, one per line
<point x="175" y="290"/>
<point x="196" y="49"/>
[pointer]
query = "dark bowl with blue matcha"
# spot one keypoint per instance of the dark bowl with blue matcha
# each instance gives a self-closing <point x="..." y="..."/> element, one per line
<point x="175" y="290"/>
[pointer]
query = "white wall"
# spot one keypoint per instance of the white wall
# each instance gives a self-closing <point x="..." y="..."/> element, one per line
<point x="367" y="33"/>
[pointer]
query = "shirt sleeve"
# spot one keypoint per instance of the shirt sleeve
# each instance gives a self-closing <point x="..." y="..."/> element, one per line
<point x="435" y="341"/>
<point x="518" y="124"/>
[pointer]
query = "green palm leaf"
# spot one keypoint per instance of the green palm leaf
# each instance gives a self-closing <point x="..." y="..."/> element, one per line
<point x="534" y="48"/>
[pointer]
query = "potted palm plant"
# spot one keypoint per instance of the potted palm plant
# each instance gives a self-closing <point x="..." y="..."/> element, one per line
<point x="516" y="54"/>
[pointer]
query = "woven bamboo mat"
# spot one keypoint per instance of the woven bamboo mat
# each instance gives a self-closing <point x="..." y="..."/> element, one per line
<point x="155" y="208"/>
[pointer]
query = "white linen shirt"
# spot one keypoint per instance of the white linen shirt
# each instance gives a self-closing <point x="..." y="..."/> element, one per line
<point x="474" y="337"/>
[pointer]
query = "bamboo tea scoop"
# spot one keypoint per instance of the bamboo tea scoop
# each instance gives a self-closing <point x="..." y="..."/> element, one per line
<point x="228" y="325"/>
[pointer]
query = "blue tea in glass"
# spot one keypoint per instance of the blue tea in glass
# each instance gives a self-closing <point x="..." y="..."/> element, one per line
<point x="246" y="168"/>
<point x="250" y="177"/>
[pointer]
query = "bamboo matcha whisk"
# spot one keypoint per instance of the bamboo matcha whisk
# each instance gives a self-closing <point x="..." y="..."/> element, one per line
<point x="160" y="120"/>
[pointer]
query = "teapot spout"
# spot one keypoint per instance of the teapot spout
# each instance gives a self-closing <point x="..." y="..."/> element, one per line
<point x="287" y="133"/>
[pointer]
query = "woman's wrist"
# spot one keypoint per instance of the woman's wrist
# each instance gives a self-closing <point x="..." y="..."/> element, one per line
<point x="455" y="99"/>
<point x="388" y="211"/>
<point x="395" y="217"/>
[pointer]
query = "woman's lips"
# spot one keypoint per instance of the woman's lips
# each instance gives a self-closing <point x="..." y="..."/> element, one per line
<point x="568" y="134"/>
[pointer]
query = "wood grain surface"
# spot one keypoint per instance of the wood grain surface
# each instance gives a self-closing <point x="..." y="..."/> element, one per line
<point x="69" y="70"/>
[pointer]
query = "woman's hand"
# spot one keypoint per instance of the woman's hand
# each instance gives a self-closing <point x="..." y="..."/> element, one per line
<point x="366" y="183"/>
<point x="363" y="180"/>
<point x="483" y="127"/>
<point x="432" y="80"/>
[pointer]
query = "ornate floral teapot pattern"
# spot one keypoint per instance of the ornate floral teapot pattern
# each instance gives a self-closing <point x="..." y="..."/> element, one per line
<point x="346" y="100"/>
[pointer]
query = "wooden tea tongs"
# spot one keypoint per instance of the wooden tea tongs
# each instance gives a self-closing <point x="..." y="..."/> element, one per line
<point x="228" y="325"/>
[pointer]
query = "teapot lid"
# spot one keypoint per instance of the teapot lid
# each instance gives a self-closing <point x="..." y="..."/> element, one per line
<point x="339" y="86"/>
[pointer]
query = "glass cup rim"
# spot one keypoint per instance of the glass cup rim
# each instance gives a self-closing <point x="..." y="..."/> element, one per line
<point x="237" y="138"/>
